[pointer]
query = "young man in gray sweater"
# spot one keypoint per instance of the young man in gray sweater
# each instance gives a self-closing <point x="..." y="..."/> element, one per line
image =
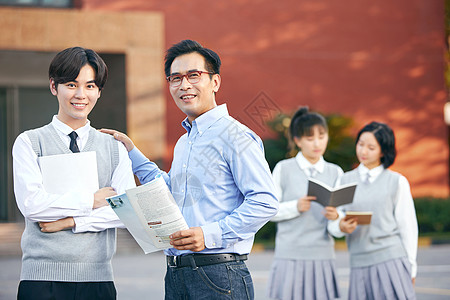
<point x="70" y="238"/>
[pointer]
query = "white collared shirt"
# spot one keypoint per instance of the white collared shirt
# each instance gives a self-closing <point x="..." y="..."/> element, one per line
<point x="40" y="206"/>
<point x="306" y="166"/>
<point x="373" y="174"/>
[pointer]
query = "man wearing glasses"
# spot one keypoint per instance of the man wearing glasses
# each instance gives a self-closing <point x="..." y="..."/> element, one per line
<point x="219" y="178"/>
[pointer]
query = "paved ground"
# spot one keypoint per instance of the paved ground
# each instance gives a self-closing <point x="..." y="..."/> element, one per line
<point x="140" y="276"/>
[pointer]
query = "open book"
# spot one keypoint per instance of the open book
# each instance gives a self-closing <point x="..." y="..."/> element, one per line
<point x="328" y="196"/>
<point x="150" y="214"/>
<point x="362" y="217"/>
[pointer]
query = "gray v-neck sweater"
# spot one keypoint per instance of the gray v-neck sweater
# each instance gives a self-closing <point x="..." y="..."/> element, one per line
<point x="304" y="237"/>
<point x="380" y="241"/>
<point x="64" y="255"/>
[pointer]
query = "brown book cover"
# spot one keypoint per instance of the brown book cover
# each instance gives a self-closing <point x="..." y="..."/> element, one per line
<point x="362" y="217"/>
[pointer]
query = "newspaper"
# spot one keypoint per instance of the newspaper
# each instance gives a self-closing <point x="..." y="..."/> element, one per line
<point x="150" y="214"/>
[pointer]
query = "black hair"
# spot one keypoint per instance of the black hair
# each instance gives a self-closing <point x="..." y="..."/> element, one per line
<point x="385" y="138"/>
<point x="303" y="121"/>
<point x="66" y="66"/>
<point x="212" y="59"/>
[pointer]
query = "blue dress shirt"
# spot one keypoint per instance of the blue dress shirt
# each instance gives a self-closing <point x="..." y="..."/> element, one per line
<point x="220" y="179"/>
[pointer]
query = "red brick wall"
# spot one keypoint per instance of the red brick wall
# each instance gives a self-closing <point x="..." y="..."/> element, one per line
<point x="373" y="60"/>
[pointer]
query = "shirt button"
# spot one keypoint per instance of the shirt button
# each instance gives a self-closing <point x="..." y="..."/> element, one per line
<point x="182" y="190"/>
<point x="200" y="132"/>
<point x="190" y="142"/>
<point x="184" y="165"/>
<point x="214" y="244"/>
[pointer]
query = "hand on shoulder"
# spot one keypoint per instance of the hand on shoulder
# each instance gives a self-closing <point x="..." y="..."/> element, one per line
<point x="121" y="137"/>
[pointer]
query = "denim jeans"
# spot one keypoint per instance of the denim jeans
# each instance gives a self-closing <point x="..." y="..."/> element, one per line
<point x="230" y="280"/>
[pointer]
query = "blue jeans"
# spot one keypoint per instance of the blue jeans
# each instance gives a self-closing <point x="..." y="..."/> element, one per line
<point x="230" y="280"/>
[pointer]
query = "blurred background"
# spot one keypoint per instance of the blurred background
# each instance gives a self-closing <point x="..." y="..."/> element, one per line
<point x="354" y="61"/>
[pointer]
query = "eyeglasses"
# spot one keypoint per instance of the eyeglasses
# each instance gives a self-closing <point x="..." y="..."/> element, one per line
<point x="192" y="77"/>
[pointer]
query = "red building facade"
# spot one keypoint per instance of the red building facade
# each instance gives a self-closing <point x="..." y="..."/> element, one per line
<point x="367" y="60"/>
<point x="380" y="60"/>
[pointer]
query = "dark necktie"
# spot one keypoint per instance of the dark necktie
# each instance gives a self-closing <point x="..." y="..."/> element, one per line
<point x="73" y="142"/>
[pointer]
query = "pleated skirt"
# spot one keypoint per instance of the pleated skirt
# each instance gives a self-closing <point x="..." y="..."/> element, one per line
<point x="386" y="280"/>
<point x="302" y="280"/>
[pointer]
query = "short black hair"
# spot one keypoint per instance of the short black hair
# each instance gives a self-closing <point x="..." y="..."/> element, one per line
<point x="66" y="66"/>
<point x="385" y="138"/>
<point x="212" y="59"/>
<point x="303" y="121"/>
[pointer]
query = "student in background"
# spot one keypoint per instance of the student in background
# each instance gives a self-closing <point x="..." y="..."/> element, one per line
<point x="303" y="267"/>
<point x="69" y="238"/>
<point x="383" y="253"/>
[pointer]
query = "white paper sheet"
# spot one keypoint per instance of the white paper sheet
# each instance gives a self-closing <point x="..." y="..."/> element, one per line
<point x="69" y="172"/>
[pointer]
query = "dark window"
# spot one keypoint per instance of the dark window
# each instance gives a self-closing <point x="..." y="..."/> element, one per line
<point x="4" y="174"/>
<point x="42" y="3"/>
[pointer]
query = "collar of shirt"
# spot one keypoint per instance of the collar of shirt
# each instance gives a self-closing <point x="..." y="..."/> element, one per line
<point x="204" y="121"/>
<point x="306" y="165"/>
<point x="64" y="130"/>
<point x="374" y="173"/>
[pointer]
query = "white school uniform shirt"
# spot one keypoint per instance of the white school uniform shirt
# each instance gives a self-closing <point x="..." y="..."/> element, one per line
<point x="404" y="214"/>
<point x="40" y="206"/>
<point x="288" y="209"/>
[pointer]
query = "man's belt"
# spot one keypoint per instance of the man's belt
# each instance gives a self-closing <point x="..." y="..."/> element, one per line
<point x="198" y="260"/>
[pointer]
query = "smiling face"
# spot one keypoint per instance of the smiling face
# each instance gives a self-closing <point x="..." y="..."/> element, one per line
<point x="76" y="98"/>
<point x="194" y="99"/>
<point x="313" y="146"/>
<point x="368" y="150"/>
